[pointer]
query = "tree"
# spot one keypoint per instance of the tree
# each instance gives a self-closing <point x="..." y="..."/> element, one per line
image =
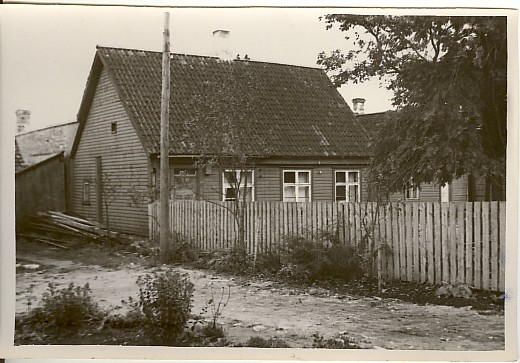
<point x="223" y="113"/>
<point x="449" y="79"/>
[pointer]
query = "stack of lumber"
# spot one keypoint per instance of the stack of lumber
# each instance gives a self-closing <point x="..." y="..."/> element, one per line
<point x="65" y="225"/>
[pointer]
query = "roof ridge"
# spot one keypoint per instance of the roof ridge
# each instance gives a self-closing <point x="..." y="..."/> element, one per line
<point x="47" y="128"/>
<point x="210" y="57"/>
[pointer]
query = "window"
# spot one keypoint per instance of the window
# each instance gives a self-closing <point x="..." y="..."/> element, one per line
<point x="238" y="180"/>
<point x="296" y="186"/>
<point x="86" y="192"/>
<point x="347" y="186"/>
<point x="411" y="193"/>
<point x="184" y="183"/>
<point x="113" y="127"/>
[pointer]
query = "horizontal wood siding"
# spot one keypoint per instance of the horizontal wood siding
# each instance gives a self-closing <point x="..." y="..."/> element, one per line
<point x="123" y="160"/>
<point x="322" y="184"/>
<point x="268" y="183"/>
<point x="459" y="190"/>
<point x="456" y="242"/>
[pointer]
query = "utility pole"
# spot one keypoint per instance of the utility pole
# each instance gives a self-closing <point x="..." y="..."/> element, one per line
<point x="165" y="143"/>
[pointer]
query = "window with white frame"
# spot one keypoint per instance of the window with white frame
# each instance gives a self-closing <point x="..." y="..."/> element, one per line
<point x="239" y="182"/>
<point x="296" y="186"/>
<point x="411" y="193"/>
<point x="347" y="187"/>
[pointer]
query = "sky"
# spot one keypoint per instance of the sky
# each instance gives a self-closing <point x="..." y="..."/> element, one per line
<point x="47" y="51"/>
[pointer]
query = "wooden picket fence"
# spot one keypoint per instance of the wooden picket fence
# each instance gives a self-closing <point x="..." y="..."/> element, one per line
<point x="456" y="242"/>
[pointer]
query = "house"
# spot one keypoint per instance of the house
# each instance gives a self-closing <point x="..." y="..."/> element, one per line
<point x="465" y="189"/>
<point x="41" y="168"/>
<point x="301" y="140"/>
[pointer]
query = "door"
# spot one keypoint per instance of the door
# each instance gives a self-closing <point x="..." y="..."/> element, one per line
<point x="99" y="190"/>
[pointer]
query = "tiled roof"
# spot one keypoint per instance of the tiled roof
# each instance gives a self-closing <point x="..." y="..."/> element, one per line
<point x="18" y="159"/>
<point x="373" y="122"/>
<point x="38" y="145"/>
<point x="280" y="110"/>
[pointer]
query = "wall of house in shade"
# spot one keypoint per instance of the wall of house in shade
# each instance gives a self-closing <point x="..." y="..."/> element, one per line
<point x="208" y="183"/>
<point x="457" y="192"/>
<point x="39" y="188"/>
<point x="110" y="149"/>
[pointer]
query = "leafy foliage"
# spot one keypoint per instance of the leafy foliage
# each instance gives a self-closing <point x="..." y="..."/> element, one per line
<point x="342" y="341"/>
<point x="63" y="311"/>
<point x="449" y="78"/>
<point x="314" y="260"/>
<point x="234" y="260"/>
<point x="259" y="342"/>
<point x="164" y="303"/>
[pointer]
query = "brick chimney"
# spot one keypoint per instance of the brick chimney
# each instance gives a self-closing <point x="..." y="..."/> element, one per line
<point x="22" y="120"/>
<point x="222" y="44"/>
<point x="358" y="106"/>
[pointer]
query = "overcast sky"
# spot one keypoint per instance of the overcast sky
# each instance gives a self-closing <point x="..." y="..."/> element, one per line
<point x="47" y="51"/>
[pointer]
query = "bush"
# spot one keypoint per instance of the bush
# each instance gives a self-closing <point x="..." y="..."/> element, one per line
<point x="341" y="341"/>
<point x="181" y="250"/>
<point x="259" y="342"/>
<point x="67" y="310"/>
<point x="234" y="261"/>
<point x="165" y="301"/>
<point x="323" y="257"/>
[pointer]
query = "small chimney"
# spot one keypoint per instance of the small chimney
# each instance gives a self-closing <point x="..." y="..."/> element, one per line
<point x="22" y="120"/>
<point x="358" y="106"/>
<point x="222" y="46"/>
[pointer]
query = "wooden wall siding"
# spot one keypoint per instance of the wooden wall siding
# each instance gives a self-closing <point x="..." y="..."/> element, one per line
<point x="268" y="183"/>
<point x="322" y="184"/>
<point x="122" y="157"/>
<point x="459" y="190"/>
<point x="432" y="242"/>
<point x="40" y="188"/>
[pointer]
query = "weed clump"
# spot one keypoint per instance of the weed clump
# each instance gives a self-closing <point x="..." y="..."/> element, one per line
<point x="318" y="259"/>
<point x="164" y="305"/>
<point x="259" y="342"/>
<point x="63" y="312"/>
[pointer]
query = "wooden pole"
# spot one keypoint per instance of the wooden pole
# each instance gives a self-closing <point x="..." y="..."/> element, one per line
<point x="165" y="166"/>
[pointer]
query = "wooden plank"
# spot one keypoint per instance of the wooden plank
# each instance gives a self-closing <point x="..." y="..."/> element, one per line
<point x="446" y="235"/>
<point x="395" y="240"/>
<point x="502" y="247"/>
<point x="494" y="256"/>
<point x="452" y="244"/>
<point x="422" y="242"/>
<point x="460" y="242"/>
<point x="352" y="223"/>
<point x="469" y="244"/>
<point x="388" y="235"/>
<point x="485" y="246"/>
<point x="415" y="243"/>
<point x="409" y="242"/>
<point x="477" y="255"/>
<point x="429" y="241"/>
<point x="402" y="241"/>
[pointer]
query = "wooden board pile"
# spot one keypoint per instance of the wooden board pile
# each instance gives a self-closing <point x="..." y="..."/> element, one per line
<point x="64" y="226"/>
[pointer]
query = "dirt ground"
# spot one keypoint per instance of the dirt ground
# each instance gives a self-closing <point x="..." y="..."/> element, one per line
<point x="268" y="309"/>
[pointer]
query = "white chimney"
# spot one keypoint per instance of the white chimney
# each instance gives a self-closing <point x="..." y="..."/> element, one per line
<point x="222" y="44"/>
<point x="22" y="120"/>
<point x="358" y="106"/>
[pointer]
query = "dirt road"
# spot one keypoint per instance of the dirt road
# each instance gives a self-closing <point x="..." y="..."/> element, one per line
<point x="267" y="309"/>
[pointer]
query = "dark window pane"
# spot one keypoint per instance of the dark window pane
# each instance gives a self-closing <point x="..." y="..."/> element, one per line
<point x="289" y="177"/>
<point x="340" y="177"/>
<point x="341" y="193"/>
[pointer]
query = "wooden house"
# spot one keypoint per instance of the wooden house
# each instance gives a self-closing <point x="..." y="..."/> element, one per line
<point x="464" y="189"/>
<point x="298" y="137"/>
<point x="41" y="170"/>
